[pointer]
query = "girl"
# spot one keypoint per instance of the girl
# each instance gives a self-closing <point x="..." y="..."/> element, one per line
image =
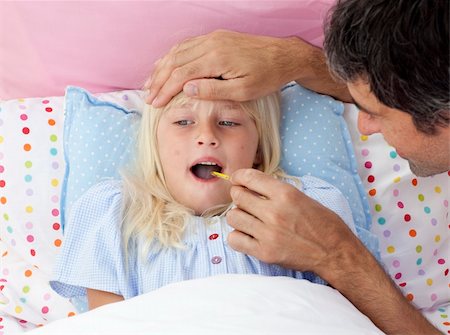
<point x="164" y="221"/>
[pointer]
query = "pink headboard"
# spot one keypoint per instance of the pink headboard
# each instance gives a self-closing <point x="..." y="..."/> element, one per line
<point x="111" y="45"/>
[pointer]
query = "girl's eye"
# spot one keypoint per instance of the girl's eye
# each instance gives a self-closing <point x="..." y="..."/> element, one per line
<point x="228" y="123"/>
<point x="184" y="122"/>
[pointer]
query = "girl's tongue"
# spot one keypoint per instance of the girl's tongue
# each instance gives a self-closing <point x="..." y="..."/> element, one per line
<point x="204" y="171"/>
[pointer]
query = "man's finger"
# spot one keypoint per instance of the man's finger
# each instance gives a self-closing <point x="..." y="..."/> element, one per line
<point x="190" y="43"/>
<point x="242" y="242"/>
<point x="180" y="55"/>
<point x="258" y="182"/>
<point x="248" y="201"/>
<point x="174" y="83"/>
<point x="244" y="222"/>
<point x="159" y="76"/>
<point x="160" y="91"/>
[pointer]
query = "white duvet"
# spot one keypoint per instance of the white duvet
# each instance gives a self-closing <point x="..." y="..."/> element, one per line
<point x="226" y="304"/>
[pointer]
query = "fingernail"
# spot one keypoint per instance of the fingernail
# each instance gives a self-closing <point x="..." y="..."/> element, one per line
<point x="191" y="90"/>
<point x="154" y="102"/>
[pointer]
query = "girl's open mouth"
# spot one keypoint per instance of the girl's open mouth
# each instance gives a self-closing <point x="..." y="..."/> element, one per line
<point x="203" y="170"/>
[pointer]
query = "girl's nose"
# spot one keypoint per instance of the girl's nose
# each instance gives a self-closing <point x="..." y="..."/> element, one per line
<point x="207" y="136"/>
<point x="207" y="142"/>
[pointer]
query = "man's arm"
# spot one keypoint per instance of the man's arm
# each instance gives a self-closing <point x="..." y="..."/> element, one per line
<point x="313" y="72"/>
<point x="357" y="275"/>
<point x="288" y="228"/>
<point x="236" y="66"/>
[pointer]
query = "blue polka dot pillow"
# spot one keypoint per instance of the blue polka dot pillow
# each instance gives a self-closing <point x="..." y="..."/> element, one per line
<point x="98" y="138"/>
<point x="99" y="132"/>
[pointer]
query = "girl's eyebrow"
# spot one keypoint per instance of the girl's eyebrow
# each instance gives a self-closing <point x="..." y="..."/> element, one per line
<point x="232" y="106"/>
<point x="185" y="105"/>
<point x="180" y="108"/>
<point x="189" y="106"/>
<point x="231" y="113"/>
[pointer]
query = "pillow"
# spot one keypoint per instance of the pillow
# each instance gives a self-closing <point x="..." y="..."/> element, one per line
<point x="93" y="43"/>
<point x="31" y="174"/>
<point x="410" y="218"/>
<point x="92" y="154"/>
<point x="98" y="138"/>
<point x="315" y="141"/>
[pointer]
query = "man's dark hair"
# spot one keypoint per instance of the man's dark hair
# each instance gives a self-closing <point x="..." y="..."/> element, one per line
<point x="400" y="48"/>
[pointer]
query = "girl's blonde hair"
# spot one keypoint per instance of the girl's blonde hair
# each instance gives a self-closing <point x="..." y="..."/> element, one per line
<point x="150" y="212"/>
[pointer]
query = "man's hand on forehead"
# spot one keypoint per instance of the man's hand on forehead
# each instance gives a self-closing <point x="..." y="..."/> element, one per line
<point x="224" y="65"/>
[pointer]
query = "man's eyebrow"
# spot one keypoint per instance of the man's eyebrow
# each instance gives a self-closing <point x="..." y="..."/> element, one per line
<point x="362" y="108"/>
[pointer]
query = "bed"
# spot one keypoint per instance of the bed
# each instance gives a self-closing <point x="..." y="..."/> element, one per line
<point x="45" y="166"/>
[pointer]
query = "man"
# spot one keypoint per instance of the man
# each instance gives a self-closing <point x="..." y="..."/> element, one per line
<point x="394" y="59"/>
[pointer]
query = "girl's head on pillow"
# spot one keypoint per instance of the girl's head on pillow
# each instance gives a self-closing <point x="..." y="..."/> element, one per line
<point x="183" y="143"/>
<point x="179" y="146"/>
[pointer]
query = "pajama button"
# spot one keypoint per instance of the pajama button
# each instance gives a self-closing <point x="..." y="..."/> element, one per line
<point x="216" y="259"/>
<point x="213" y="236"/>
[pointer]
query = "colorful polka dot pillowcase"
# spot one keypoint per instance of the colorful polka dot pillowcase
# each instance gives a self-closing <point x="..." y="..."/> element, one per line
<point x="31" y="174"/>
<point x="410" y="217"/>
<point x="99" y="137"/>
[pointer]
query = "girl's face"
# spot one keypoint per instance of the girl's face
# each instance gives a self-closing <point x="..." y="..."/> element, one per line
<point x="201" y="136"/>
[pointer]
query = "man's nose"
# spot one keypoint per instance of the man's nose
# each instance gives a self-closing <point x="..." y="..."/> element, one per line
<point x="367" y="125"/>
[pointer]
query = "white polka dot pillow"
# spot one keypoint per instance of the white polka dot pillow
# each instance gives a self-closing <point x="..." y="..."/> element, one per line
<point x="99" y="135"/>
<point x="410" y="217"/>
<point x="31" y="175"/>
